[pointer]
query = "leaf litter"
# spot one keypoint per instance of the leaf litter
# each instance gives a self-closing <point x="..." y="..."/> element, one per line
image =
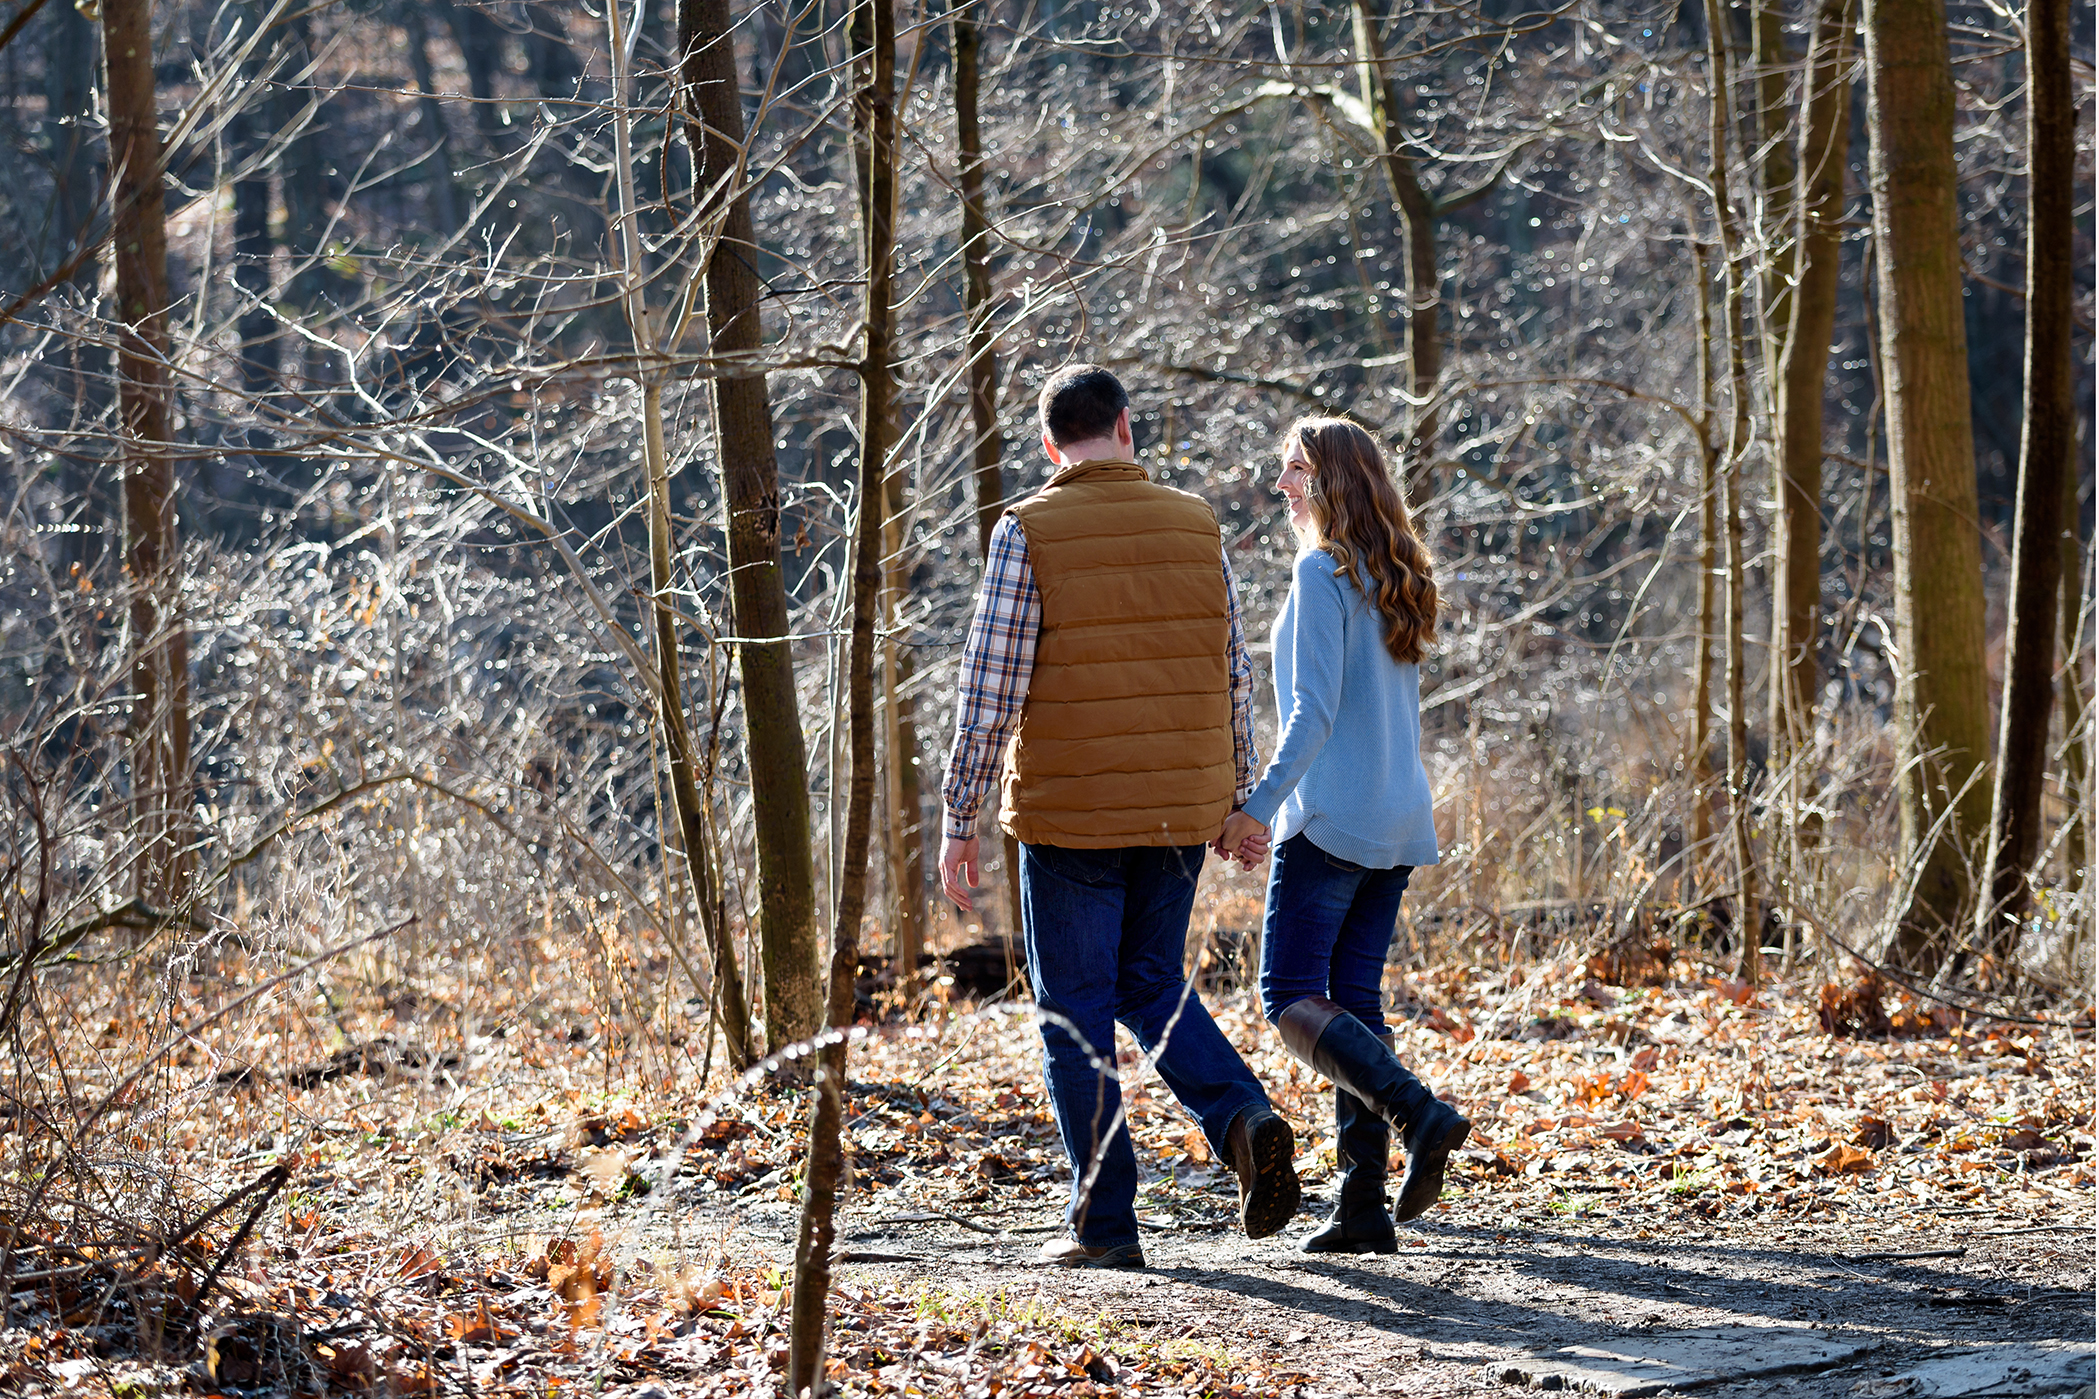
<point x="518" y="1229"/>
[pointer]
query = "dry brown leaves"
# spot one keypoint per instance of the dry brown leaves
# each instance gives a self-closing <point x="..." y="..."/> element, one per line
<point x="497" y="1247"/>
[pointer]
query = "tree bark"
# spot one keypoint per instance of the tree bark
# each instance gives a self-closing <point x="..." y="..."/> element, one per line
<point x="731" y="1001"/>
<point x="983" y="351"/>
<point x="2044" y="459"/>
<point x="1748" y="910"/>
<point x="873" y="39"/>
<point x="1418" y="211"/>
<point x="1776" y="171"/>
<point x="988" y="445"/>
<point x="303" y="169"/>
<point x="1796" y="573"/>
<point x="1708" y="564"/>
<point x="1941" y="700"/>
<point x="152" y="551"/>
<point x="2070" y="617"/>
<point x="443" y="187"/>
<point x="732" y="1004"/>
<point x="743" y="428"/>
<point x="480" y="41"/>
<point x="905" y="846"/>
<point x="69" y="137"/>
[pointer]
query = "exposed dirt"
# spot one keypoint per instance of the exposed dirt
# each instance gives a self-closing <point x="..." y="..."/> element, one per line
<point x="1648" y="1164"/>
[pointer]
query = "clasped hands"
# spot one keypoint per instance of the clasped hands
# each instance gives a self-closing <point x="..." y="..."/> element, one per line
<point x="1243" y="839"/>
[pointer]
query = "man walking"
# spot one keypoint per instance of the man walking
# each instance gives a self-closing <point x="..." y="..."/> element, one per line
<point x="1106" y="646"/>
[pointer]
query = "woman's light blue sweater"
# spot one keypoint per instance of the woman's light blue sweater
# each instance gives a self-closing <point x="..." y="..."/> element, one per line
<point x="1347" y="769"/>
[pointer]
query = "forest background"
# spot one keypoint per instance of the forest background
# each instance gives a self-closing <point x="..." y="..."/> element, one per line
<point x="493" y="492"/>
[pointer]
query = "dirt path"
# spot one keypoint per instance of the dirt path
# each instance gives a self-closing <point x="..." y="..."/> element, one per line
<point x="1476" y="1303"/>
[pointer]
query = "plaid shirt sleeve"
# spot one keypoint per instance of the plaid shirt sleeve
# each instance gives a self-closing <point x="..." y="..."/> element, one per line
<point x="997" y="662"/>
<point x="1246" y="758"/>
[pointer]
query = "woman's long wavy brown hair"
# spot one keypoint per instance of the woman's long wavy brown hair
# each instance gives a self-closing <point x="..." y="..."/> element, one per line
<point x="1364" y="525"/>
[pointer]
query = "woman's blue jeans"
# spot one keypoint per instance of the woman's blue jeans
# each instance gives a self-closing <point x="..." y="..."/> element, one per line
<point x="1106" y="933"/>
<point x="1326" y="930"/>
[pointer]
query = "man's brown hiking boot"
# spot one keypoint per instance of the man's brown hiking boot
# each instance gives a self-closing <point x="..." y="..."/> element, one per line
<point x="1263" y="1154"/>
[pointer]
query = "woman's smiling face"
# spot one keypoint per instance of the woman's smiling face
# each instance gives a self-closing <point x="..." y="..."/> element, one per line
<point x="1295" y="483"/>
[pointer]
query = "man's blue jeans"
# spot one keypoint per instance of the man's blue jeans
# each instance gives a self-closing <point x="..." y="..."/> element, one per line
<point x="1106" y="933"/>
<point x="1327" y="929"/>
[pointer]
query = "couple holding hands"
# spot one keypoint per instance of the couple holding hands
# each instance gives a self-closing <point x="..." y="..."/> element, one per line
<point x="1106" y="653"/>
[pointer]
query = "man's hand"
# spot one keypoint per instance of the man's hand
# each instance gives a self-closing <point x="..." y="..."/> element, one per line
<point x="1243" y="839"/>
<point x="958" y="869"/>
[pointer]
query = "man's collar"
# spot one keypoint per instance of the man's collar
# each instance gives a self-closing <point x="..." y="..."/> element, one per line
<point x="1072" y="472"/>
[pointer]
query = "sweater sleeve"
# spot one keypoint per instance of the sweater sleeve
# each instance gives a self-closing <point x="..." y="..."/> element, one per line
<point x="1318" y="614"/>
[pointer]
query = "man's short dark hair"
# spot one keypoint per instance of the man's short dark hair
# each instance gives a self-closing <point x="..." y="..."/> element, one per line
<point x="1081" y="402"/>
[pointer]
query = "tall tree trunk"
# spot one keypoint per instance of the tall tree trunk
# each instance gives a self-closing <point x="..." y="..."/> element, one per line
<point x="480" y="41"/>
<point x="1775" y="171"/>
<point x="1803" y="366"/>
<point x="743" y="428"/>
<point x="152" y="551"/>
<point x="873" y="39"/>
<point x="982" y="344"/>
<point x="1747" y="908"/>
<point x="2044" y="459"/>
<point x="444" y="189"/>
<point x="1941" y="698"/>
<point x="1380" y="89"/>
<point x="304" y="182"/>
<point x="732" y="1004"/>
<point x="903" y="841"/>
<point x="1708" y="564"/>
<point x="69" y="137"/>
<point x="252" y="246"/>
<point x="987" y="444"/>
<point x="2077" y="769"/>
<point x="73" y="149"/>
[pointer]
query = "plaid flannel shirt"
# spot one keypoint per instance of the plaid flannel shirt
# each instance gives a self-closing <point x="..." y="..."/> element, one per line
<point x="999" y="658"/>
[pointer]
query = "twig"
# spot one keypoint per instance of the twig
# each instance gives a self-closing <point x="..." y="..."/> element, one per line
<point x="1888" y="1257"/>
<point x="269" y="1183"/>
<point x="2038" y="1229"/>
<point x="182" y="1036"/>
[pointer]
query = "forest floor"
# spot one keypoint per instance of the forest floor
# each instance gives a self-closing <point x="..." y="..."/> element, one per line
<point x="1681" y="1183"/>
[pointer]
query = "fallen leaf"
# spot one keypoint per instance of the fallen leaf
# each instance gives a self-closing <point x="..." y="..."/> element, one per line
<point x="1874" y="1133"/>
<point x="482" y="1328"/>
<point x="417" y="1262"/>
<point x="1845" y="1159"/>
<point x="1197" y="1146"/>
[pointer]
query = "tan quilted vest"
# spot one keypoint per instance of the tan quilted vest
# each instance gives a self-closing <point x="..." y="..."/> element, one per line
<point x="1126" y="736"/>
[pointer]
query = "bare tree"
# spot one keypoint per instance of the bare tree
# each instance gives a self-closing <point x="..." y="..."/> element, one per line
<point x="1803" y="365"/>
<point x="743" y="433"/>
<point x="2048" y="439"/>
<point x="160" y="723"/>
<point x="1748" y="912"/>
<point x="873" y="39"/>
<point x="1942" y="708"/>
<point x="987" y="444"/>
<point x="1420" y="211"/>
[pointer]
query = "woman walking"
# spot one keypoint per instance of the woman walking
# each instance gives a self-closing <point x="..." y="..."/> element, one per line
<point x="1349" y="803"/>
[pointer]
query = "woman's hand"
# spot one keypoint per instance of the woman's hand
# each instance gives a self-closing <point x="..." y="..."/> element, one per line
<point x="1243" y="839"/>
